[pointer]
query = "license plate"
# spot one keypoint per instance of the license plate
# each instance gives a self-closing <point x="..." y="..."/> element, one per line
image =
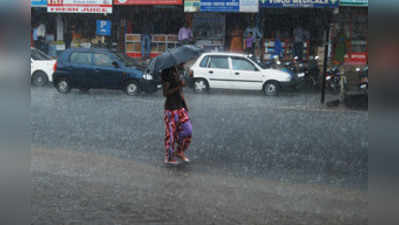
<point x="301" y="74"/>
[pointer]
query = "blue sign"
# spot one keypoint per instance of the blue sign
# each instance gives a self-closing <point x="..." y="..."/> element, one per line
<point x="299" y="3"/>
<point x="38" y="3"/>
<point x="220" y="6"/>
<point x="103" y="28"/>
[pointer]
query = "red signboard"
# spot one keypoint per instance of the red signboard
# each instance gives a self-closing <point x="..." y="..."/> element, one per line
<point x="148" y="2"/>
<point x="358" y="58"/>
<point x="79" y="6"/>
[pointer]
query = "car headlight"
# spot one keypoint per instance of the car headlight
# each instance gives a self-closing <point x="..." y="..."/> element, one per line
<point x="147" y="76"/>
<point x="328" y="77"/>
<point x="301" y="74"/>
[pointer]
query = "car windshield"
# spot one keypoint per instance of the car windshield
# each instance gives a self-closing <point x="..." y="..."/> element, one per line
<point x="261" y="65"/>
<point x="39" y="55"/>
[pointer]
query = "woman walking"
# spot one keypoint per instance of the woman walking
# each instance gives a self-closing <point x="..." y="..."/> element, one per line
<point x="178" y="130"/>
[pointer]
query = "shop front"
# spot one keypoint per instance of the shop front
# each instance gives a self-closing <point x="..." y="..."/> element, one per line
<point x="295" y="28"/>
<point x="220" y="24"/>
<point x="148" y="28"/>
<point x="78" y="22"/>
<point x="43" y="28"/>
<point x="349" y="33"/>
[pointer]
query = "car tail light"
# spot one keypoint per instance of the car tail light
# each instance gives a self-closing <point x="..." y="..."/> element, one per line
<point x="55" y="66"/>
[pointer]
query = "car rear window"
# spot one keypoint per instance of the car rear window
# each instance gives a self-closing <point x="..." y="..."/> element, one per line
<point x="205" y="62"/>
<point x="219" y="62"/>
<point x="81" y="58"/>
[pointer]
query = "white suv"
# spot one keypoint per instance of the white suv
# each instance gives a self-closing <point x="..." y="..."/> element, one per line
<point x="237" y="71"/>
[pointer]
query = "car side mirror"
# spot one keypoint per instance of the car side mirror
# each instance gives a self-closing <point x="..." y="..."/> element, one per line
<point x="115" y="64"/>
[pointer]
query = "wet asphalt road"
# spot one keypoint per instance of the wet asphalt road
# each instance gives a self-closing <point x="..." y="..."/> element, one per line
<point x="290" y="138"/>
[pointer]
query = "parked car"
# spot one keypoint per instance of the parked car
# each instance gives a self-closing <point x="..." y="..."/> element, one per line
<point x="41" y="67"/>
<point x="86" y="69"/>
<point x="238" y="71"/>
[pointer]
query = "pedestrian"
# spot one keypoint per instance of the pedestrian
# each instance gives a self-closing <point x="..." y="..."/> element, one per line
<point x="68" y="38"/>
<point x="250" y="44"/>
<point x="278" y="46"/>
<point x="146" y="40"/>
<point x="300" y="37"/>
<point x="36" y="37"/>
<point x="178" y="128"/>
<point x="185" y="34"/>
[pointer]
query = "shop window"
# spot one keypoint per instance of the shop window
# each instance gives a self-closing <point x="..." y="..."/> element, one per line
<point x="242" y="64"/>
<point x="81" y="58"/>
<point x="219" y="62"/>
<point x="102" y="60"/>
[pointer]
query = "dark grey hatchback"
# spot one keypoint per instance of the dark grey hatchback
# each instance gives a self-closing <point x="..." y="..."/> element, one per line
<point x="86" y="69"/>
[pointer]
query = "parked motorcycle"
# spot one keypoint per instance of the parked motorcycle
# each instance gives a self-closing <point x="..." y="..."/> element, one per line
<point x="312" y="72"/>
<point x="364" y="80"/>
<point x="333" y="79"/>
<point x="309" y="72"/>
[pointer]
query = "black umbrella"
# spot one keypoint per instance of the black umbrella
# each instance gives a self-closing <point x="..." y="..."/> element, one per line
<point x="173" y="57"/>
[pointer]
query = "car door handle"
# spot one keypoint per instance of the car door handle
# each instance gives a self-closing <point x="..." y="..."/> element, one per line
<point x="237" y="73"/>
<point x="97" y="71"/>
<point x="211" y="71"/>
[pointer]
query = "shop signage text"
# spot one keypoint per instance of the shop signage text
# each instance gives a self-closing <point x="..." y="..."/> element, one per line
<point x="364" y="3"/>
<point x="79" y="6"/>
<point x="299" y="3"/>
<point x="148" y="2"/>
<point x="221" y="6"/>
<point x="38" y="3"/>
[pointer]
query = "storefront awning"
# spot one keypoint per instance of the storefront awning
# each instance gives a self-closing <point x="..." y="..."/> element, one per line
<point x="38" y="3"/>
<point x="148" y="2"/>
<point x="80" y="6"/>
<point x="248" y="6"/>
<point x="299" y="3"/>
<point x="360" y="3"/>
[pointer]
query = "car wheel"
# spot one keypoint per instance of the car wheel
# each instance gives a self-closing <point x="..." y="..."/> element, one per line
<point x="271" y="89"/>
<point x="39" y="79"/>
<point x="200" y="86"/>
<point x="63" y="86"/>
<point x="132" y="88"/>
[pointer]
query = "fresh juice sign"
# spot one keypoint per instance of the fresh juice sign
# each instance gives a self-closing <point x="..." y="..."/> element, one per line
<point x="79" y="6"/>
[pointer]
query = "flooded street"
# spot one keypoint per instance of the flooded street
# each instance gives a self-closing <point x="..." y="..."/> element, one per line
<point x="97" y="158"/>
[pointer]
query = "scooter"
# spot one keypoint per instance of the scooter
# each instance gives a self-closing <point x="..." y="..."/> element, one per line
<point x="333" y="79"/>
<point x="312" y="72"/>
<point x="364" y="80"/>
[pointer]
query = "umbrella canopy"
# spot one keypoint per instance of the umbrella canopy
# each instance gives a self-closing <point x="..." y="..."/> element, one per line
<point x="173" y="57"/>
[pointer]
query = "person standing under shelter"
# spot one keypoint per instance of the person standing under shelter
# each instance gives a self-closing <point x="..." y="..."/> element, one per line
<point x="278" y="46"/>
<point x="250" y="44"/>
<point x="300" y="37"/>
<point x="146" y="40"/>
<point x="68" y="37"/>
<point x="185" y="34"/>
<point x="256" y="34"/>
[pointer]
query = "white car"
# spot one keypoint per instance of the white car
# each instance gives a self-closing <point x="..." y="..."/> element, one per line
<point x="237" y="71"/>
<point x="41" y="67"/>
